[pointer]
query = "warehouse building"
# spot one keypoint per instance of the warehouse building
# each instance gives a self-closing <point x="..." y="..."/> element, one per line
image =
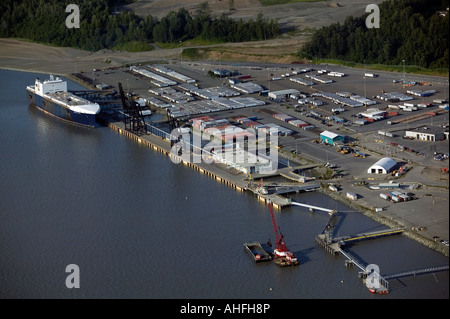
<point x="284" y="94"/>
<point x="430" y="134"/>
<point x="383" y="166"/>
<point x="331" y="138"/>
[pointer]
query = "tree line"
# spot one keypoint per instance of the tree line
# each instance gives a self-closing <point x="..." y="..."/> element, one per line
<point x="416" y="31"/>
<point x="101" y="27"/>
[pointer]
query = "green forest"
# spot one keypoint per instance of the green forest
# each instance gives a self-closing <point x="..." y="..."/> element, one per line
<point x="101" y="27"/>
<point x="410" y="30"/>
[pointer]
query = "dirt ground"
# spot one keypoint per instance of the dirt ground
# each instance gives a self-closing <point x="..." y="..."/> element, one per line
<point x="298" y="14"/>
<point x="304" y="16"/>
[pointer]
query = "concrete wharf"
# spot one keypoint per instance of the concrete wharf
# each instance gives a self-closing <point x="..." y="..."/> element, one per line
<point x="159" y="141"/>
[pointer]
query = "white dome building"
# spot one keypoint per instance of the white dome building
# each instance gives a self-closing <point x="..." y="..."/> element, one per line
<point x="383" y="166"/>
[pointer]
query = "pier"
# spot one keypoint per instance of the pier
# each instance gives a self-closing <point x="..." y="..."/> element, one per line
<point x="333" y="245"/>
<point x="329" y="211"/>
<point x="371" y="235"/>
<point x="159" y="141"/>
<point x="416" y="272"/>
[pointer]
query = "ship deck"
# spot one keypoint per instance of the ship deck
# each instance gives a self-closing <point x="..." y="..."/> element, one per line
<point x="68" y="98"/>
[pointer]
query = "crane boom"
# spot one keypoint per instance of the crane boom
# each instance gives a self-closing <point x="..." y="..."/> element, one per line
<point x="274" y="224"/>
<point x="279" y="242"/>
<point x="282" y="255"/>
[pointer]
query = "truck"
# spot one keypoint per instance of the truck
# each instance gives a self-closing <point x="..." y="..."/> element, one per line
<point x="359" y="154"/>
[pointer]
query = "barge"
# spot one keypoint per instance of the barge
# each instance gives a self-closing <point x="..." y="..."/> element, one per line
<point x="258" y="253"/>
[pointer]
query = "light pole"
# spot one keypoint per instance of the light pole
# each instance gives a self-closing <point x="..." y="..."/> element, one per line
<point x="403" y="71"/>
<point x="365" y="94"/>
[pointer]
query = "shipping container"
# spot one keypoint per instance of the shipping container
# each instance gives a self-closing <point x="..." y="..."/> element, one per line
<point x="404" y="197"/>
<point x="389" y="134"/>
<point x="384" y="196"/>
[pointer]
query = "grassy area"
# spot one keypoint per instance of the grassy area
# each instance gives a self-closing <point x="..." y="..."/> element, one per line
<point x="189" y="43"/>
<point x="275" y="2"/>
<point x="412" y="69"/>
<point x="134" y="46"/>
<point x="193" y="53"/>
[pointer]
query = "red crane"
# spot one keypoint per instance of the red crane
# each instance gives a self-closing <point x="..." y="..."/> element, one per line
<point x="283" y="256"/>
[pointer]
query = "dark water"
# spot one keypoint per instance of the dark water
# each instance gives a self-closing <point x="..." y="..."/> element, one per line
<point x="140" y="226"/>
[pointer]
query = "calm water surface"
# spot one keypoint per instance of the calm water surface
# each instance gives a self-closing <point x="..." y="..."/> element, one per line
<point x="140" y="226"/>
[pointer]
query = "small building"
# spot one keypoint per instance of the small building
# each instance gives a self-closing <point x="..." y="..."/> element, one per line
<point x="430" y="134"/>
<point x="331" y="138"/>
<point x="283" y="94"/>
<point x="222" y="72"/>
<point x="373" y="113"/>
<point x="383" y="166"/>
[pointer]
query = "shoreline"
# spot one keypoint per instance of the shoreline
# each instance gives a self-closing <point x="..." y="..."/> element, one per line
<point x="359" y="208"/>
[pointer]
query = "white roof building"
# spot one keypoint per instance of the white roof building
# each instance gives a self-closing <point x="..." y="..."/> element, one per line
<point x="283" y="93"/>
<point x="383" y="166"/>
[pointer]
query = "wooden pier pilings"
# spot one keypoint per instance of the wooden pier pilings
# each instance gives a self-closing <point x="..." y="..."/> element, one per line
<point x="158" y="144"/>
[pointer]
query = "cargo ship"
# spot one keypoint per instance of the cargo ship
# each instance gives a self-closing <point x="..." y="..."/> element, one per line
<point x="52" y="97"/>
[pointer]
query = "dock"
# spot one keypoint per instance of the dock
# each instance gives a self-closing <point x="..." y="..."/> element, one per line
<point x="366" y="236"/>
<point x="159" y="141"/>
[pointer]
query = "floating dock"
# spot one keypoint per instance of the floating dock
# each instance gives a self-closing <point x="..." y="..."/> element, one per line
<point x="258" y="253"/>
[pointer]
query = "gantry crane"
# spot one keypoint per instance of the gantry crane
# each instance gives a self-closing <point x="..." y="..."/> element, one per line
<point x="133" y="120"/>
